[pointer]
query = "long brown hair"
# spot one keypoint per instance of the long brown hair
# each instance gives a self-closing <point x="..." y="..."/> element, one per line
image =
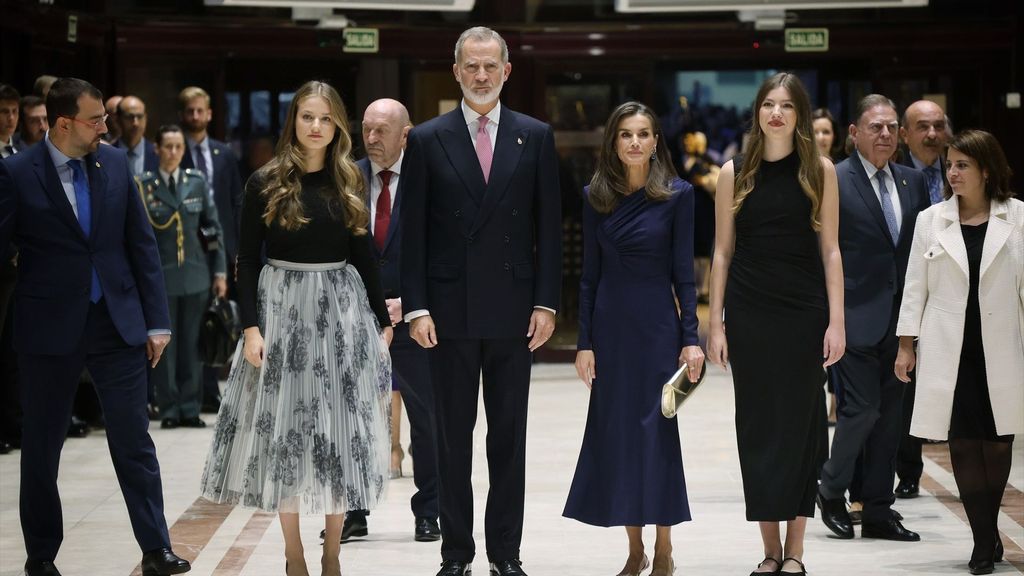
<point x="984" y="149"/>
<point x="811" y="175"/>
<point x="610" y="182"/>
<point x="281" y="176"/>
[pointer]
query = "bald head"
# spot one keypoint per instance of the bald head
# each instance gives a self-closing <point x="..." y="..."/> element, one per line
<point x="131" y="116"/>
<point x="924" y="131"/>
<point x="385" y="128"/>
<point x="114" y="128"/>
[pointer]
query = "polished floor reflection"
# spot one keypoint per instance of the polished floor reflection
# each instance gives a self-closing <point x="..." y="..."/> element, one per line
<point x="226" y="542"/>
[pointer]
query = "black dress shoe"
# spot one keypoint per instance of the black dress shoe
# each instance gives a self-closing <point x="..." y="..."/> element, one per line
<point x="193" y="422"/>
<point x="354" y="526"/>
<point x="210" y="406"/>
<point x="835" y="516"/>
<point x="998" y="556"/>
<point x="908" y="489"/>
<point x="511" y="567"/>
<point x="455" y="568"/>
<point x="889" y="530"/>
<point x="168" y="423"/>
<point x="77" y="428"/>
<point x="162" y="562"/>
<point x="427" y="530"/>
<point x="981" y="566"/>
<point x="40" y="568"/>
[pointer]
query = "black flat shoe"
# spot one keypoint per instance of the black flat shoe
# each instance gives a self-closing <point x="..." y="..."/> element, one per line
<point x="981" y="566"/>
<point x="835" y="516"/>
<point x="908" y="489"/>
<point x="169" y="423"/>
<point x="40" y="568"/>
<point x="778" y="566"/>
<point x="77" y="428"/>
<point x="998" y="556"/>
<point x="803" y="569"/>
<point x="455" y="568"/>
<point x="427" y="530"/>
<point x="193" y="422"/>
<point x="163" y="562"/>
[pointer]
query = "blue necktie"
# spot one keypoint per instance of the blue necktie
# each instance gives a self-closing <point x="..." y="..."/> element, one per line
<point x="81" y="183"/>
<point x="934" y="184"/>
<point x="887" y="210"/>
<point x="201" y="162"/>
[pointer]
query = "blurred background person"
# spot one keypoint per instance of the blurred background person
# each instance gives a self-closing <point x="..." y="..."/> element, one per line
<point x="131" y="116"/>
<point x="701" y="171"/>
<point x="33" y="122"/>
<point x="9" y="104"/>
<point x="826" y="134"/>
<point x="113" y="126"/>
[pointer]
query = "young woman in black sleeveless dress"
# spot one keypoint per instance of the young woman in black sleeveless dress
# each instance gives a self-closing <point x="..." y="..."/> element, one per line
<point x="777" y="310"/>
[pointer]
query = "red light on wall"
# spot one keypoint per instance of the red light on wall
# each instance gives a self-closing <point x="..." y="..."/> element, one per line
<point x="756" y="45"/>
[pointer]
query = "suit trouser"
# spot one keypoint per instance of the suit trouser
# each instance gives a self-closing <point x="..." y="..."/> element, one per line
<point x="870" y="419"/>
<point x="178" y="376"/>
<point x="908" y="459"/>
<point x="455" y="367"/>
<point x="411" y="369"/>
<point x="48" y="385"/>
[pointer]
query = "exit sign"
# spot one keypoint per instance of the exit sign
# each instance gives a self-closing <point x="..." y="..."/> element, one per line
<point x="362" y="40"/>
<point x="806" y="39"/>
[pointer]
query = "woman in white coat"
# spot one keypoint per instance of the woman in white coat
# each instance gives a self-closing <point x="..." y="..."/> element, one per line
<point x="964" y="302"/>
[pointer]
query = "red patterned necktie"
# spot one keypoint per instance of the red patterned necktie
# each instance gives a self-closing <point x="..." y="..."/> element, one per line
<point x="382" y="219"/>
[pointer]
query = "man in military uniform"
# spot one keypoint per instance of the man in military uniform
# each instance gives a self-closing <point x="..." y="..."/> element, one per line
<point x="178" y="203"/>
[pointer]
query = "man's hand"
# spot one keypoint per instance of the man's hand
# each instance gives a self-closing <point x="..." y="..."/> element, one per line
<point x="155" y="348"/>
<point x="542" y="326"/>
<point x="220" y="286"/>
<point x="394" y="310"/>
<point x="422" y="331"/>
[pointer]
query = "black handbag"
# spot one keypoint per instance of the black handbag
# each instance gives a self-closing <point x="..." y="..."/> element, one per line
<point x="219" y="332"/>
<point x="209" y="239"/>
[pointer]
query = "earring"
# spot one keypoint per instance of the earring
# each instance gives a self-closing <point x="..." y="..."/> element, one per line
<point x="654" y="154"/>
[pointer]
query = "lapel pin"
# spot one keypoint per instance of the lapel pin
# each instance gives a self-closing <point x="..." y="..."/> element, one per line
<point x="216" y="151"/>
<point x="904" y="182"/>
<point x="519" y="141"/>
<point x="97" y="164"/>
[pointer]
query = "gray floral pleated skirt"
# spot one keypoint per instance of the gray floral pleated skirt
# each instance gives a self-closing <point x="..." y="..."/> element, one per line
<point x="308" y="431"/>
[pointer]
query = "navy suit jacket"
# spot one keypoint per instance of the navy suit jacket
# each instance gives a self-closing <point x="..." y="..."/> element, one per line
<point x="150" y="161"/>
<point x="227" y="192"/>
<point x="389" y="258"/>
<point x="55" y="262"/>
<point x="873" y="266"/>
<point x="479" y="256"/>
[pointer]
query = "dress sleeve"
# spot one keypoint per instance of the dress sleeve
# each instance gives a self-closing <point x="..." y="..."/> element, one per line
<point x="362" y="258"/>
<point x="591" y="274"/>
<point x="250" y="249"/>
<point x="682" y="263"/>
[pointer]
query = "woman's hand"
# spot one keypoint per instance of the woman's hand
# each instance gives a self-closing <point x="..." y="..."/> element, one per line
<point x="253" y="348"/>
<point x="906" y="359"/>
<point x="387" y="334"/>
<point x="585" y="367"/>
<point x="834" y="345"/>
<point x="693" y="356"/>
<point x="718" y="348"/>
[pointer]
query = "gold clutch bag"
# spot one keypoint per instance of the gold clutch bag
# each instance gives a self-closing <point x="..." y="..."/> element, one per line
<point x="678" y="389"/>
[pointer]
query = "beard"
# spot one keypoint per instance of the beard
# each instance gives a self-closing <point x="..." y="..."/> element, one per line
<point x="486" y="98"/>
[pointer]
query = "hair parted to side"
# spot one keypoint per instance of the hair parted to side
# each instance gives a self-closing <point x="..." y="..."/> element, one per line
<point x="867" y="103"/>
<point x="190" y="93"/>
<point x="62" y="99"/>
<point x="983" y="148"/>
<point x="610" y="182"/>
<point x="281" y="176"/>
<point x="481" y="34"/>
<point x="811" y="175"/>
<point x="819" y="113"/>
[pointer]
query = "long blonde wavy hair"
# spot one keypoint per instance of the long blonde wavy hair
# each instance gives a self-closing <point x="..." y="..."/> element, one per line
<point x="281" y="176"/>
<point x="811" y="175"/>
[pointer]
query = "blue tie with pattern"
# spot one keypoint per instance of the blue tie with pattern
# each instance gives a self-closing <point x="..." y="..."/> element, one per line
<point x="887" y="210"/>
<point x="81" y="183"/>
<point x="201" y="162"/>
<point x="934" y="184"/>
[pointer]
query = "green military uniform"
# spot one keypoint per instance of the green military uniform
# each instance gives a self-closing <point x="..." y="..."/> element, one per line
<point x="176" y="216"/>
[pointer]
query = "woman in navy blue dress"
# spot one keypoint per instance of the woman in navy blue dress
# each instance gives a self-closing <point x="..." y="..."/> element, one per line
<point x="637" y="263"/>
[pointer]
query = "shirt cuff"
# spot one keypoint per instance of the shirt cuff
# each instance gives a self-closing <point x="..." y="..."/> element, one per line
<point x="223" y="275"/>
<point x="416" y="314"/>
<point x="159" y="332"/>
<point x="552" y="310"/>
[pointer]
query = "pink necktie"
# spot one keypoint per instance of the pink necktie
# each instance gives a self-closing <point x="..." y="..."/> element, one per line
<point x="483" y="148"/>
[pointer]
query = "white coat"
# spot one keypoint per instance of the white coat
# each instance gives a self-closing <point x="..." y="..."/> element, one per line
<point x="934" y="310"/>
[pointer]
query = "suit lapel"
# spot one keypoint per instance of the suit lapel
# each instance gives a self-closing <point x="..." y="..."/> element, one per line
<point x="867" y="194"/>
<point x="97" y="194"/>
<point x="998" y="233"/>
<point x="50" y="181"/>
<point x="951" y="239"/>
<point x="395" y="209"/>
<point x="454" y="138"/>
<point x="366" y="169"/>
<point x="508" y="147"/>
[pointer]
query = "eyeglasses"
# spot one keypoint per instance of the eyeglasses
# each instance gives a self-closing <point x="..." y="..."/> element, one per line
<point x="132" y="117"/>
<point x="94" y="124"/>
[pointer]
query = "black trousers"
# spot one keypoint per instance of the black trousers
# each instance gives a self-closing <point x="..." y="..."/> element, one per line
<point x="48" y="385"/>
<point x="908" y="459"/>
<point x="411" y="369"/>
<point x="456" y="367"/>
<point x="869" y="419"/>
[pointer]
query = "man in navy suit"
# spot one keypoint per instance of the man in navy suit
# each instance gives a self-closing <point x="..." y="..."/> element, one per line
<point x="481" y="273"/>
<point x="878" y="205"/>
<point x="131" y="117"/>
<point x="89" y="294"/>
<point x="218" y="163"/>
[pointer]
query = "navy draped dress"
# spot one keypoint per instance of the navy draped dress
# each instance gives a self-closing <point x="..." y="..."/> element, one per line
<point x="635" y="260"/>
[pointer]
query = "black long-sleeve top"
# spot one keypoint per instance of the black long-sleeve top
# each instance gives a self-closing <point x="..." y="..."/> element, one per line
<point x="325" y="238"/>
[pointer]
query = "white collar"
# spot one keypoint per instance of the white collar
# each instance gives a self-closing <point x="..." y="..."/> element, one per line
<point x="396" y="167"/>
<point x="472" y="116"/>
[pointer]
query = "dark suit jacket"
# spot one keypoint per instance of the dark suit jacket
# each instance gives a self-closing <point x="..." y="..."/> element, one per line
<point x="873" y="267"/>
<point x="150" y="161"/>
<point x="389" y="258"/>
<point x="227" y="192"/>
<point x="55" y="259"/>
<point x="479" y="256"/>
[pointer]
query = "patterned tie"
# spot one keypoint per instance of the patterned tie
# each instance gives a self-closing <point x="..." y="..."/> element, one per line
<point x="382" y="218"/>
<point x="934" y="184"/>
<point x="887" y="210"/>
<point x="81" y="184"/>
<point x="483" y="148"/>
<point x="201" y="162"/>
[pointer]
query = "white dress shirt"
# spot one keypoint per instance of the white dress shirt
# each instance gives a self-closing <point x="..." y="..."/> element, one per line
<point x="890" y="182"/>
<point x="473" y="122"/>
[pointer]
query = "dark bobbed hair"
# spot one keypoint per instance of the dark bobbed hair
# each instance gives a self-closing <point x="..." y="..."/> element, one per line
<point x="167" y="129"/>
<point x="983" y="148"/>
<point x="62" y="99"/>
<point x="610" y="182"/>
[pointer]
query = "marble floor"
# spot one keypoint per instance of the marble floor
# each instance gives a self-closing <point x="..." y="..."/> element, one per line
<point x="238" y="542"/>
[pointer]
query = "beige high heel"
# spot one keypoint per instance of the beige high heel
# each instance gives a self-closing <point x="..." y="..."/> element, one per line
<point x="644" y="565"/>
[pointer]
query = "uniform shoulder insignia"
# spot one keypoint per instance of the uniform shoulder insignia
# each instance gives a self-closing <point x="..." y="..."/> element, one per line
<point x="148" y="175"/>
<point x="195" y="173"/>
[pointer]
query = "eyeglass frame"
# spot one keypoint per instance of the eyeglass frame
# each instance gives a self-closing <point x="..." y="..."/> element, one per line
<point x="95" y="125"/>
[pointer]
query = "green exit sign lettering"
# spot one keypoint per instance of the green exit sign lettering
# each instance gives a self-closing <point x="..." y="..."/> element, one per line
<point x="365" y="40"/>
<point x="806" y="39"/>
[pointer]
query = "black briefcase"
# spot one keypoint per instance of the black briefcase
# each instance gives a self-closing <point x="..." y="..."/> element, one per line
<point x="219" y="332"/>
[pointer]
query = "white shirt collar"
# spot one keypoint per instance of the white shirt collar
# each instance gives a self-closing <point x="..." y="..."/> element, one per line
<point x="176" y="174"/>
<point x="396" y="167"/>
<point x="472" y="116"/>
<point x="59" y="158"/>
<point x="921" y="166"/>
<point x="204" y="144"/>
<point x="870" y="169"/>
